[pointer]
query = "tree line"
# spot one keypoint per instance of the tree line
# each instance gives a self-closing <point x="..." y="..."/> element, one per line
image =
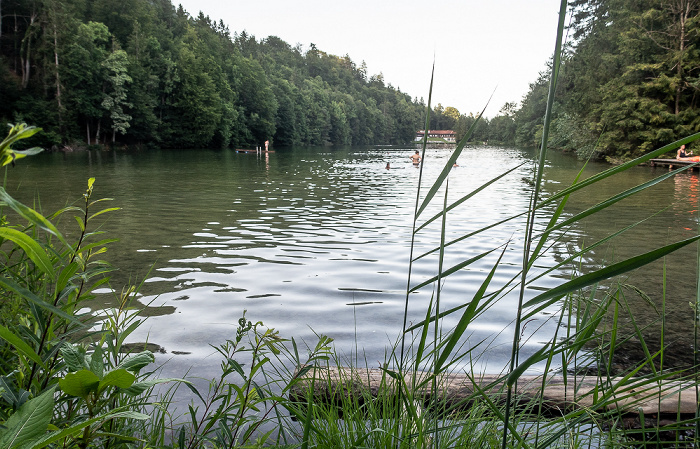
<point x="145" y="72"/>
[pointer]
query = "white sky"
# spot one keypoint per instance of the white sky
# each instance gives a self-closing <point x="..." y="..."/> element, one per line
<point x="478" y="45"/>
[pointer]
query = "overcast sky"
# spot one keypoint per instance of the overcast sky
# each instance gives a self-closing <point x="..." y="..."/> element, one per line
<point x="478" y="45"/>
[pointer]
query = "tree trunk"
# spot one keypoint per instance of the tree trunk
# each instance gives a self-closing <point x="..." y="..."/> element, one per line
<point x="681" y="48"/>
<point x="26" y="52"/>
<point x="58" y="78"/>
<point x="97" y="134"/>
<point x="87" y="124"/>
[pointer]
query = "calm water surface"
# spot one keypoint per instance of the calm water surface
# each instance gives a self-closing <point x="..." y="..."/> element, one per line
<point x="315" y="240"/>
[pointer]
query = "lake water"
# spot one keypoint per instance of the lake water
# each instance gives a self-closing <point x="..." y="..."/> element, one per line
<point x="317" y="240"/>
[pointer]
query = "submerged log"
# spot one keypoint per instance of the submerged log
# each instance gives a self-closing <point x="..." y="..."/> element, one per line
<point x="456" y="391"/>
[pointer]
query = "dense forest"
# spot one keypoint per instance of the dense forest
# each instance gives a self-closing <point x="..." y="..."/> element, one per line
<point x="145" y="72"/>
<point x="629" y="81"/>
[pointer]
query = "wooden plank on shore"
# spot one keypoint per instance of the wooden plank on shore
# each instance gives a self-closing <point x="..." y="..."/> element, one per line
<point x="631" y="396"/>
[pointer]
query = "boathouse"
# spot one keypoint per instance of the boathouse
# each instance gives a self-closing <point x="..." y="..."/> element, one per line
<point x="445" y="134"/>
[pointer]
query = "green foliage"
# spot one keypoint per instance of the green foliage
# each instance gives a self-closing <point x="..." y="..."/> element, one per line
<point x="65" y="377"/>
<point x="629" y="80"/>
<point x="144" y="72"/>
<point x="17" y="133"/>
<point x="115" y="98"/>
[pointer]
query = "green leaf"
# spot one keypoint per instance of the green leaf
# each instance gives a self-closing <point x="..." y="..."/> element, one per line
<point x="469" y="195"/>
<point x="135" y="362"/>
<point x="81" y="224"/>
<point x="65" y="276"/>
<point x="72" y="430"/>
<point x="29" y="152"/>
<point x="539" y="355"/>
<point x="467" y="316"/>
<point x="79" y="384"/>
<point x="12" y="394"/>
<point x="138" y="388"/>
<point x="471" y="234"/>
<point x="549" y="297"/>
<point x="29" y="423"/>
<point x="31" y="215"/>
<point x="448" y="166"/>
<point x="620" y="168"/>
<point x="452" y="270"/>
<point x="74" y="357"/>
<point x="119" y="378"/>
<point x="20" y="345"/>
<point x="30" y="246"/>
<point x="31" y="297"/>
<point x="96" y="362"/>
<point x="91" y="246"/>
<point x="111" y="209"/>
<point x="612" y="200"/>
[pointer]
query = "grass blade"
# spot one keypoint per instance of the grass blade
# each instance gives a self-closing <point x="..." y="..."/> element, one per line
<point x="547" y="298"/>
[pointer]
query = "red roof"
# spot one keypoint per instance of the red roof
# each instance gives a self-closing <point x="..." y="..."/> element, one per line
<point x="445" y="132"/>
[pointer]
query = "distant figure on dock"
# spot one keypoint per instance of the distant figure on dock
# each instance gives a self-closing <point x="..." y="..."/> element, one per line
<point x="267" y="145"/>
<point x="682" y="155"/>
<point x="415" y="158"/>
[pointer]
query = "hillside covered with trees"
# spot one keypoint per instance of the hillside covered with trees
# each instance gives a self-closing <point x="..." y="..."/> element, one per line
<point x="145" y="72"/>
<point x="629" y="81"/>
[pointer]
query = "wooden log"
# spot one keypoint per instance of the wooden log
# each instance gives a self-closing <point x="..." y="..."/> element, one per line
<point x="629" y="396"/>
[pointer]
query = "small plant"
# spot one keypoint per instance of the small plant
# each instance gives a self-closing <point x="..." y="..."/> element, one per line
<point x="249" y="394"/>
<point x="17" y="133"/>
<point x="65" y="379"/>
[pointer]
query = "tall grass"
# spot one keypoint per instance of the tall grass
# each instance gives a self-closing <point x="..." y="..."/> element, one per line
<point x="408" y="406"/>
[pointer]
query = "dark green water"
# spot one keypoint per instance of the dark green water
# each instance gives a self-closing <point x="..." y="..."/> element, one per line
<point x="302" y="236"/>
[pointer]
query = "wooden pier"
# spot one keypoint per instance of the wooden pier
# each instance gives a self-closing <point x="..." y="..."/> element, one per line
<point x="253" y="151"/>
<point x="671" y="163"/>
<point x="633" y="398"/>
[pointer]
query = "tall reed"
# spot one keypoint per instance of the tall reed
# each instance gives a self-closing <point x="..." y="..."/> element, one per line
<point x="409" y="410"/>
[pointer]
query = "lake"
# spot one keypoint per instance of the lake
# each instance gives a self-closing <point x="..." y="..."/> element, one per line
<point x="317" y="240"/>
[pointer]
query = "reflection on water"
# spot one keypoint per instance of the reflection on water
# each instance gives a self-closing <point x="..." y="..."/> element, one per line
<point x="318" y="240"/>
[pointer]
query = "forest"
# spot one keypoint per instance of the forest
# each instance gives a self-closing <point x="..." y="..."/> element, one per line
<point x="628" y="82"/>
<point x="143" y="72"/>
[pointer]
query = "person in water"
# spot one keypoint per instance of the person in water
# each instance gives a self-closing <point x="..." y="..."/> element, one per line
<point x="388" y="167"/>
<point x="415" y="158"/>
<point x="683" y="155"/>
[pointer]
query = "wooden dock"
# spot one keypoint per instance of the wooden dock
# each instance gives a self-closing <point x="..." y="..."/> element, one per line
<point x="253" y="151"/>
<point x="671" y="163"/>
<point x="631" y="397"/>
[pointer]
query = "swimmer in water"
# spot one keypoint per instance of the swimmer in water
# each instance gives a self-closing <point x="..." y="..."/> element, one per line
<point x="415" y="158"/>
